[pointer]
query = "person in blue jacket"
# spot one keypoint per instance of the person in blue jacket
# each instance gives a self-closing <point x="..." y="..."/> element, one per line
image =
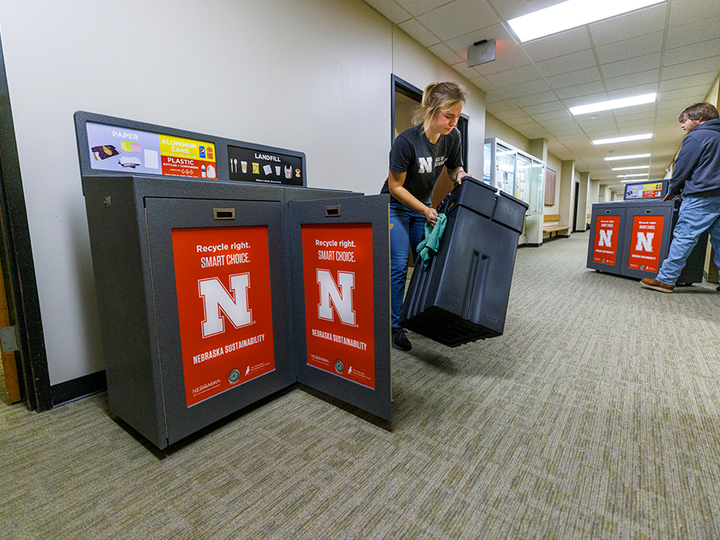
<point x="696" y="176"/>
<point x="417" y="158"/>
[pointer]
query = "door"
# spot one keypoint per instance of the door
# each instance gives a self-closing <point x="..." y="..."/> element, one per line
<point x="221" y="306"/>
<point x="341" y="299"/>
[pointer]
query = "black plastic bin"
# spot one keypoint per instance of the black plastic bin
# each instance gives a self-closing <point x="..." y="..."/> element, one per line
<point x="462" y="295"/>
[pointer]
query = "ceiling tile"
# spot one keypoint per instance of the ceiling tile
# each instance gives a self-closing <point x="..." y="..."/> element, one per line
<point x="695" y="32"/>
<point x="510" y="77"/>
<point x="684" y="92"/>
<point x="515" y="115"/>
<point x="693" y="80"/>
<point x="418" y="7"/>
<point x="526" y="89"/>
<point x="586" y="121"/>
<point x="545" y="107"/>
<point x="689" y="11"/>
<point x="553" y="115"/>
<point x="633" y="80"/>
<point x="494" y="96"/>
<point x="632" y="65"/>
<point x="630" y="48"/>
<point x="458" y="18"/>
<point x="574" y="78"/>
<point x="465" y="71"/>
<point x="622" y="27"/>
<point x="568" y="62"/>
<point x="551" y="46"/>
<point x="443" y="52"/>
<point x="419" y="32"/>
<point x="564" y="123"/>
<point x="535" y="99"/>
<point x="582" y="93"/>
<point x="482" y="83"/>
<point x="692" y="68"/>
<point x="390" y="9"/>
<point x="697" y="51"/>
<point x="500" y="106"/>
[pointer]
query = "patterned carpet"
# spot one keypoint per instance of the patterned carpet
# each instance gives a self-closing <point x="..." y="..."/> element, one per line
<point x="595" y="415"/>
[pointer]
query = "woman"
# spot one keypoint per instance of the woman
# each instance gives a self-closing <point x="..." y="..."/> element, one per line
<point x="417" y="158"/>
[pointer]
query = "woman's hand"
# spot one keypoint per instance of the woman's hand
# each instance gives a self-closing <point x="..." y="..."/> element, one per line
<point x="431" y="215"/>
<point x="460" y="176"/>
<point x="456" y="175"/>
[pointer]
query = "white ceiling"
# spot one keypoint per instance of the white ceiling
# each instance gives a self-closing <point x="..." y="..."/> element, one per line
<point x="672" y="48"/>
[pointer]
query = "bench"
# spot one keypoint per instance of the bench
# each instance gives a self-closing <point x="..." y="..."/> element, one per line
<point x="554" y="227"/>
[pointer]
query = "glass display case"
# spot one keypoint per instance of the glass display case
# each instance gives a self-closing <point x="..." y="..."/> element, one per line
<point x="515" y="172"/>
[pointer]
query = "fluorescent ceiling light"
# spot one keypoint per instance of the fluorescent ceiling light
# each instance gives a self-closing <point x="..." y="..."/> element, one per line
<point x="640" y="137"/>
<point x="634" y="156"/>
<point x="570" y="14"/>
<point x="614" y="104"/>
<point x="630" y="168"/>
<point x="628" y="181"/>
<point x="631" y="175"/>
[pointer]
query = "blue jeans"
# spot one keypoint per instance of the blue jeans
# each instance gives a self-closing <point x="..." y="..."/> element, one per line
<point x="697" y="215"/>
<point x="406" y="232"/>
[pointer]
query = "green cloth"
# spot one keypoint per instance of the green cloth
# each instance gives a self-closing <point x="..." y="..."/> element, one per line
<point x="431" y="243"/>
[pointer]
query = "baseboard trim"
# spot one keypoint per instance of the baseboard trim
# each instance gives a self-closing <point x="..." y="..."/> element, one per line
<point x="81" y="387"/>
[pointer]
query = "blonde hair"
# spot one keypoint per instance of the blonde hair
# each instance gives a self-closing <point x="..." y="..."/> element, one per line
<point x="438" y="96"/>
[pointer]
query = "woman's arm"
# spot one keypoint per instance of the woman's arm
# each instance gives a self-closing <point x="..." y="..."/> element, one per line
<point x="396" y="185"/>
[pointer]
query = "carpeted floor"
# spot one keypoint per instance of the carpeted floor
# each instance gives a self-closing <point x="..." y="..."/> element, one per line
<point x="596" y="415"/>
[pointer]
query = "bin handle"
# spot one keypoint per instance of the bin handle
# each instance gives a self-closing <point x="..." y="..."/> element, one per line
<point x="224" y="213"/>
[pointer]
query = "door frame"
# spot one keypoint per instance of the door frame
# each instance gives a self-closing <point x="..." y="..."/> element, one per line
<point x="18" y="265"/>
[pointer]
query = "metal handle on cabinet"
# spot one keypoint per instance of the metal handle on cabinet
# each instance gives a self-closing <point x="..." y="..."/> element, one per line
<point x="224" y="213"/>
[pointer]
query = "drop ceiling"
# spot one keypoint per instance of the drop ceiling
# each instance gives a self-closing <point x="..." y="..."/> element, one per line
<point x="672" y="48"/>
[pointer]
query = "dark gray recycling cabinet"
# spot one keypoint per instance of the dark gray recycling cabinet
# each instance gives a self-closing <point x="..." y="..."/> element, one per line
<point x="632" y="238"/>
<point x="131" y="222"/>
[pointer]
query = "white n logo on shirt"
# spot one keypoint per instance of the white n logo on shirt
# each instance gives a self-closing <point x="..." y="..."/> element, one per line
<point x="426" y="164"/>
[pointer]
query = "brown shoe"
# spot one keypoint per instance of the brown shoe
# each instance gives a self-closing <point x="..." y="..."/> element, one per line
<point x="655" y="285"/>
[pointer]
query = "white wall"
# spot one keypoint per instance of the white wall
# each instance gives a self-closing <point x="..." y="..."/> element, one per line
<point x="308" y="75"/>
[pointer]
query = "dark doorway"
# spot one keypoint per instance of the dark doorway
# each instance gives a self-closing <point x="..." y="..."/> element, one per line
<point x="576" y="206"/>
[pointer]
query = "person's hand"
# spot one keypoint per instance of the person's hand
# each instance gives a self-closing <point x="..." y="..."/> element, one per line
<point x="460" y="176"/>
<point x="431" y="215"/>
<point x="670" y="197"/>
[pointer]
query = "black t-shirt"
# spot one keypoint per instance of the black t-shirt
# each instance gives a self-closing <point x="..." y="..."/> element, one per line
<point x="414" y="154"/>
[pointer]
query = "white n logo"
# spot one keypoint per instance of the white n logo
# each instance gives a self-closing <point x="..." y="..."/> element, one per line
<point x="343" y="302"/>
<point x="644" y="242"/>
<point x="426" y="164"/>
<point x="216" y="297"/>
<point x="605" y="237"/>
